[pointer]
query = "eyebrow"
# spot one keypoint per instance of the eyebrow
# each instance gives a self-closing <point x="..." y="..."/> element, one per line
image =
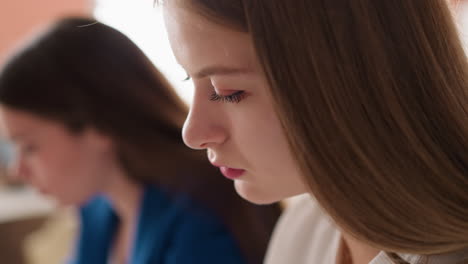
<point x="220" y="70"/>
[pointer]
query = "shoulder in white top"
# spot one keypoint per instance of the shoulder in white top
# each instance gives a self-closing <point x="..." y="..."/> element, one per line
<point x="303" y="235"/>
<point x="306" y="235"/>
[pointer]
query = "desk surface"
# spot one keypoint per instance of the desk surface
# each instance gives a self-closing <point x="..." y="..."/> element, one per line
<point x="23" y="203"/>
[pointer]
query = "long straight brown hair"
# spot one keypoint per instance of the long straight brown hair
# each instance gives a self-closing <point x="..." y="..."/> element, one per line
<point x="81" y="73"/>
<point x="372" y="96"/>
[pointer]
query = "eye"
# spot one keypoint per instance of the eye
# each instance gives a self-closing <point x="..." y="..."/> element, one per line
<point x="28" y="149"/>
<point x="232" y="98"/>
<point x="187" y="78"/>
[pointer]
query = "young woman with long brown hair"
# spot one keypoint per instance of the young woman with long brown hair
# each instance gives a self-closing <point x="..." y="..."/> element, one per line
<point x="362" y="104"/>
<point x="97" y="126"/>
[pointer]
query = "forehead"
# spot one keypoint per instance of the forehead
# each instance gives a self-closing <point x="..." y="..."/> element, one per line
<point x="198" y="42"/>
<point x="15" y="123"/>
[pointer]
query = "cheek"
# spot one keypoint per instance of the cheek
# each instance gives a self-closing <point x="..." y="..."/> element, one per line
<point x="50" y="170"/>
<point x="43" y="165"/>
<point x="71" y="178"/>
<point x="57" y="165"/>
<point x="262" y="138"/>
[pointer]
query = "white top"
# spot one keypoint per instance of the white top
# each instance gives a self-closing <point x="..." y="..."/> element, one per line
<point x="23" y="203"/>
<point x="306" y="235"/>
<point x="303" y="235"/>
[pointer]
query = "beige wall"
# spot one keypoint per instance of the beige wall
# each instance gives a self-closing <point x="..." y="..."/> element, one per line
<point x="18" y="18"/>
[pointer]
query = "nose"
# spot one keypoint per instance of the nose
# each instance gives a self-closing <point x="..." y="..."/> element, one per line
<point x="205" y="125"/>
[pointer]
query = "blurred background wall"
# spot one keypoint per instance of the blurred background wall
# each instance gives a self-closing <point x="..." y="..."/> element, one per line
<point x="19" y="18"/>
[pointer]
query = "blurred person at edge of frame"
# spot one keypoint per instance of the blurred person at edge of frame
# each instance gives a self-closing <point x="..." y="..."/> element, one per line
<point x="97" y="126"/>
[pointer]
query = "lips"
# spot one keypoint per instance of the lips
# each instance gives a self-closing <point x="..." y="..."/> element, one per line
<point x="228" y="172"/>
<point x="231" y="173"/>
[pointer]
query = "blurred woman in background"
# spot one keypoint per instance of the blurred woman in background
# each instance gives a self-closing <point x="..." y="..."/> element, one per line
<point x="97" y="126"/>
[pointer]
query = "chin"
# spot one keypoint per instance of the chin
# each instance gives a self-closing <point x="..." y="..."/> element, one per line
<point x="68" y="201"/>
<point x="63" y="202"/>
<point x="253" y="194"/>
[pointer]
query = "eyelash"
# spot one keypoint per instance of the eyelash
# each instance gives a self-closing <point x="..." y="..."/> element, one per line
<point x="29" y="149"/>
<point x="232" y="98"/>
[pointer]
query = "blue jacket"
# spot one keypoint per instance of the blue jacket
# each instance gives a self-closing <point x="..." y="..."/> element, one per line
<point x="169" y="231"/>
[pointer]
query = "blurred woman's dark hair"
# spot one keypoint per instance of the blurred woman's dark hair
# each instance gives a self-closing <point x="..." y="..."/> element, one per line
<point x="82" y="73"/>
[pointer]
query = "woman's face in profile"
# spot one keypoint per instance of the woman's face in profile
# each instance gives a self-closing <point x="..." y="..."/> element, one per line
<point x="69" y="167"/>
<point x="232" y="114"/>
